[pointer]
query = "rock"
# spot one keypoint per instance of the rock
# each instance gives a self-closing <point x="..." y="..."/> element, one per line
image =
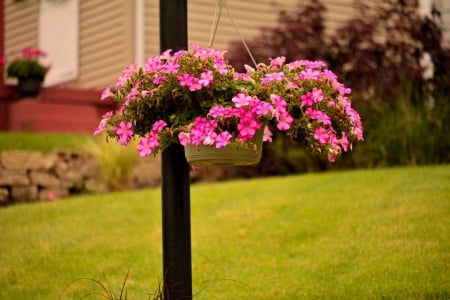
<point x="48" y="161"/>
<point x="24" y="193"/>
<point x="13" y="178"/>
<point x="146" y="173"/>
<point x="4" y="195"/>
<point x="94" y="186"/>
<point x="21" y="160"/>
<point x="44" y="179"/>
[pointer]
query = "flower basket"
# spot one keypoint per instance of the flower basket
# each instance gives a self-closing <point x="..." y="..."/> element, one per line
<point x="230" y="155"/>
<point x="30" y="72"/>
<point x="196" y="99"/>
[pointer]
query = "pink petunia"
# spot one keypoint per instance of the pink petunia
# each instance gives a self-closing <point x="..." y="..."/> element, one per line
<point x="284" y="121"/>
<point x="277" y="62"/>
<point x="267" y="137"/>
<point x="344" y="142"/>
<point x="158" y="126"/>
<point x="279" y="103"/>
<point x="171" y="67"/>
<point x="241" y="100"/>
<point x="194" y="85"/>
<point x="184" y="138"/>
<point x="223" y="139"/>
<point x="321" y="135"/>
<point x="106" y="93"/>
<point x="101" y="127"/>
<point x="217" y="111"/>
<point x="185" y="79"/>
<point x="317" y="95"/>
<point x="206" y="78"/>
<point x="124" y="132"/>
<point x="147" y="145"/>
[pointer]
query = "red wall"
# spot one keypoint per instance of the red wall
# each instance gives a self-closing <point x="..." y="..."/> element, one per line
<point x="54" y="110"/>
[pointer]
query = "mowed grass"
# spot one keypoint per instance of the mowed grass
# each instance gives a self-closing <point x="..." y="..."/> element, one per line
<point x="367" y="234"/>
<point x="44" y="142"/>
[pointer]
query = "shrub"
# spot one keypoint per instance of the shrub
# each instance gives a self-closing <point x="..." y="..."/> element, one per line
<point x="378" y="54"/>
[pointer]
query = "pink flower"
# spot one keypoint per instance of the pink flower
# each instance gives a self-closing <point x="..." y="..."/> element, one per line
<point x="307" y="99"/>
<point x="106" y="93"/>
<point x="184" y="138"/>
<point x="267" y="137"/>
<point x="171" y="67"/>
<point x="185" y="79"/>
<point x="159" y="126"/>
<point x="261" y="108"/>
<point x="210" y="139"/>
<point x="317" y="95"/>
<point x="284" y="121"/>
<point x="309" y="74"/>
<point x="126" y="75"/>
<point x="51" y="197"/>
<point x="147" y="145"/>
<point x="321" y="135"/>
<point x="344" y="142"/>
<point x="223" y="139"/>
<point x="159" y="78"/>
<point x="194" y="85"/>
<point x="247" y="128"/>
<point x="277" y="62"/>
<point x="241" y="100"/>
<point x="206" y="78"/>
<point x="221" y="67"/>
<point x="273" y="77"/>
<point x="124" y="132"/>
<point x="102" y="125"/>
<point x="278" y="102"/>
<point x="153" y="64"/>
<point x="217" y="111"/>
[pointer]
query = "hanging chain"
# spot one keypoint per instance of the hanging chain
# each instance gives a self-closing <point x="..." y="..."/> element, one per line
<point x="217" y="14"/>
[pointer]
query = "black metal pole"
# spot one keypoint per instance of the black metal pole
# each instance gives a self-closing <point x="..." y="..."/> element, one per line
<point x="176" y="215"/>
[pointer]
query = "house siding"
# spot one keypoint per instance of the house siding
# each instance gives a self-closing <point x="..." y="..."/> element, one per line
<point x="21" y="29"/>
<point x="107" y="30"/>
<point x="249" y="16"/>
<point x="106" y="41"/>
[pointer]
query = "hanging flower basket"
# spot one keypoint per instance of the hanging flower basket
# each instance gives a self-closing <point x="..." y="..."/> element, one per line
<point x="27" y="68"/>
<point x="232" y="155"/>
<point x="194" y="98"/>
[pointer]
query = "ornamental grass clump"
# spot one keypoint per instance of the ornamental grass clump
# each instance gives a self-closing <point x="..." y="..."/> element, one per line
<point x="194" y="97"/>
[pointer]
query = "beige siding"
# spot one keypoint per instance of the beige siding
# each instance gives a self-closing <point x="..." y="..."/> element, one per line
<point x="106" y="41"/>
<point x="21" y="27"/>
<point x="338" y="11"/>
<point x="444" y="6"/>
<point x="249" y="16"/>
<point x="151" y="23"/>
<point x="107" y="29"/>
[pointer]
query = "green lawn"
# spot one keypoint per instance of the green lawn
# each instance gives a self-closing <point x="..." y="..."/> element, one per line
<point x="44" y="142"/>
<point x="368" y="234"/>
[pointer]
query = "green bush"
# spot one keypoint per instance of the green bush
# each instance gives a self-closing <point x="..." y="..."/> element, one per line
<point x="402" y="132"/>
<point x="405" y="115"/>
